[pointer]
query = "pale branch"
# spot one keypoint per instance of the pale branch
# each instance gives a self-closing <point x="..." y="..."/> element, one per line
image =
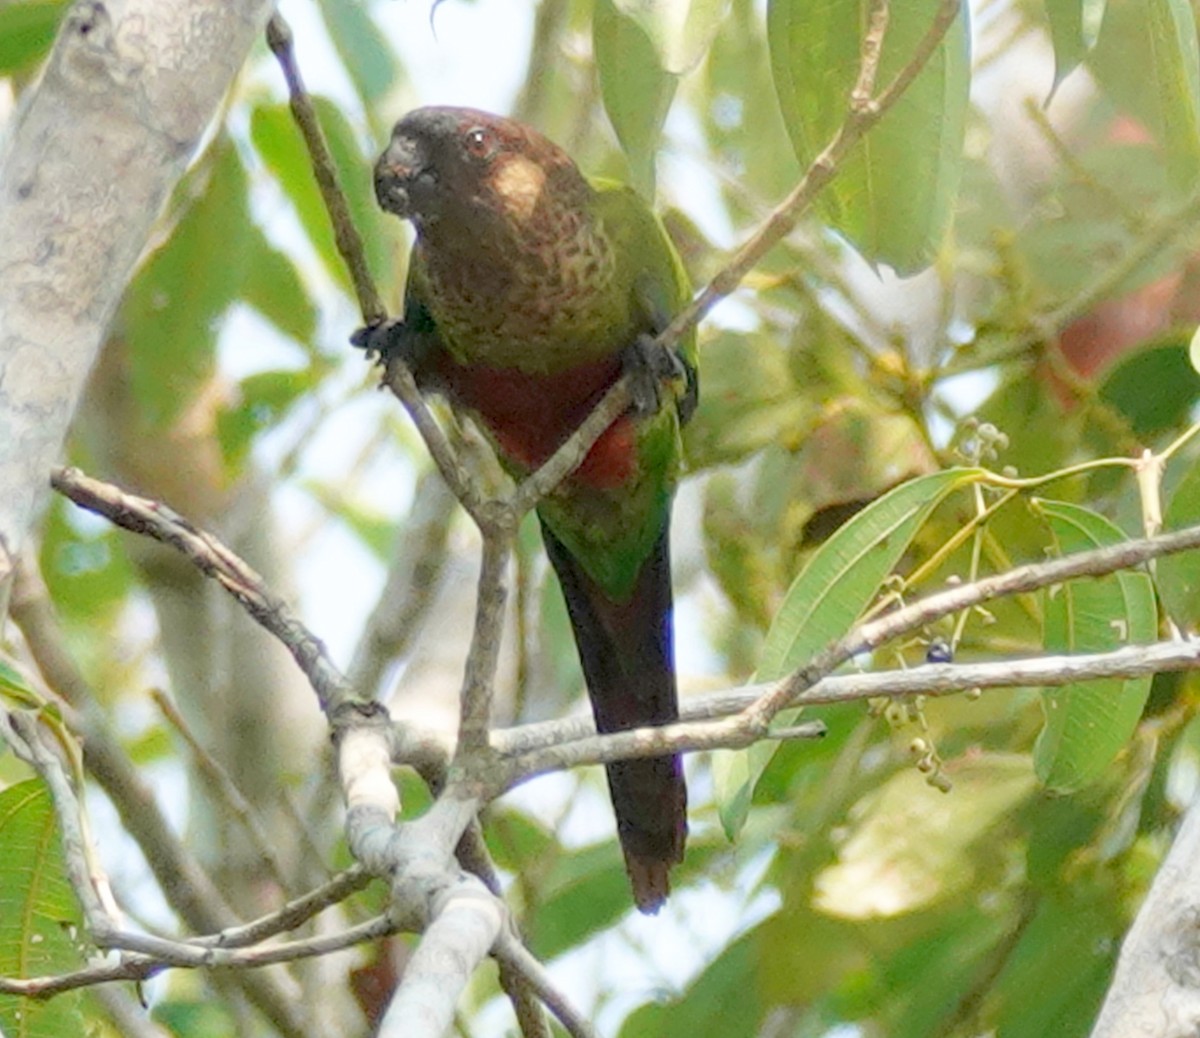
<point x="185" y="884"/>
<point x="123" y="968"/>
<point x="680" y="737"/>
<point x="475" y="705"/>
<point x="186" y="955"/>
<point x="860" y="117"/>
<point x="295" y="913"/>
<point x="870" y="635"/>
<point x="870" y="53"/>
<point x="408" y="588"/>
<point x="363" y="738"/>
<point x="514" y="955"/>
<point x="143" y="956"/>
<point x="462" y="483"/>
<point x="466" y="921"/>
<point x="208" y="554"/>
<point x="23" y="732"/>
<point x="222" y="786"/>
<point x="1155" y="990"/>
<point x="130" y="1017"/>
<point x="345" y="232"/>
<point x="88" y="159"/>
<point x="557" y="745"/>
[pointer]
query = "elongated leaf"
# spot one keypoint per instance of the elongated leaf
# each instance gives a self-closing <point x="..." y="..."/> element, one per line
<point x="170" y="311"/>
<point x="839" y="582"/>
<point x="1074" y="29"/>
<point x="1088" y="722"/>
<point x="679" y="30"/>
<point x="1148" y="60"/>
<point x="637" y="90"/>
<point x="364" y="50"/>
<point x="39" y="918"/>
<point x="894" y="196"/>
<point x="278" y="141"/>
<point x="273" y="287"/>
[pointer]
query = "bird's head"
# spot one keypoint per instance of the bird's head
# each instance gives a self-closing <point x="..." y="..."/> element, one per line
<point x="470" y="168"/>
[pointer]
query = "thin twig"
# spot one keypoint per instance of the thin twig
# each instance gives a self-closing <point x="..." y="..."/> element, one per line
<point x="223" y="786"/>
<point x="209" y="555"/>
<point x="557" y="745"/>
<point x="513" y="954"/>
<point x="868" y="636"/>
<point x="476" y="703"/>
<point x="345" y="233"/>
<point x="822" y="170"/>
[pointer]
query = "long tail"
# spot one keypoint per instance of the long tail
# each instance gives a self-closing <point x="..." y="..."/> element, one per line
<point x="627" y="653"/>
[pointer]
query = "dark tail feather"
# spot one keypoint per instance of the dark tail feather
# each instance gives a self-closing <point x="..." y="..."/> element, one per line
<point x="627" y="653"/>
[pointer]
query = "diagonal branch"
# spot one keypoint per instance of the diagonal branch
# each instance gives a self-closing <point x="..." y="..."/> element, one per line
<point x="860" y="117"/>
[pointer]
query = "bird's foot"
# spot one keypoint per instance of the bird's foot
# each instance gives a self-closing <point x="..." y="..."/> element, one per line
<point x="649" y="366"/>
<point x="383" y="339"/>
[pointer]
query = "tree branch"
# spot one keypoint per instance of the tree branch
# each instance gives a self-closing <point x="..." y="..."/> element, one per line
<point x="860" y="117"/>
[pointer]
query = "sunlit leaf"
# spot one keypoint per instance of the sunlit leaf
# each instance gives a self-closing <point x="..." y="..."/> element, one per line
<point x="277" y="139"/>
<point x="912" y="844"/>
<point x="170" y="312"/>
<point x="39" y="918"/>
<point x="1074" y="29"/>
<point x="274" y="288"/>
<point x="260" y="403"/>
<point x="1087" y="723"/>
<point x="1148" y="60"/>
<point x="363" y="48"/>
<point x="840" y="581"/>
<point x="894" y="196"/>
<point x="679" y="30"/>
<point x="636" y="89"/>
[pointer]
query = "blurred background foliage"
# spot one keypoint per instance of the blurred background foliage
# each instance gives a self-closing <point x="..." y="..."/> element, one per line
<point x="932" y="868"/>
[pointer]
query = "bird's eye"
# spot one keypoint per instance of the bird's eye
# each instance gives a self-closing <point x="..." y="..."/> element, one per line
<point x="480" y="143"/>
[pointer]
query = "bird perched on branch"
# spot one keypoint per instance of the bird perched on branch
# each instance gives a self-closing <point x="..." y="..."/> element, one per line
<point x="532" y="290"/>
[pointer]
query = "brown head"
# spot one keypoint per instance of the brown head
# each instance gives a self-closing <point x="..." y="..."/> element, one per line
<point x="474" y="172"/>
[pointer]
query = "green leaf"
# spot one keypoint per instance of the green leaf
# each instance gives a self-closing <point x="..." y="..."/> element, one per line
<point x="912" y="845"/>
<point x="679" y="30"/>
<point x="1178" y="575"/>
<point x="169" y="315"/>
<point x="364" y="50"/>
<point x="1147" y="60"/>
<point x="87" y="572"/>
<point x="1087" y="723"/>
<point x="636" y="89"/>
<point x="376" y="531"/>
<point x="262" y="400"/>
<point x="725" y="999"/>
<point x="750" y="400"/>
<point x="895" y="194"/>
<point x="27" y="30"/>
<point x="273" y="287"/>
<point x="1165" y="367"/>
<point x="841" y="579"/>
<point x="278" y="141"/>
<point x="583" y="892"/>
<point x="1074" y="29"/>
<point x="39" y="919"/>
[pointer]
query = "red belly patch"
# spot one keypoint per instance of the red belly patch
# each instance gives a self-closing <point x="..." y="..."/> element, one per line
<point x="530" y="415"/>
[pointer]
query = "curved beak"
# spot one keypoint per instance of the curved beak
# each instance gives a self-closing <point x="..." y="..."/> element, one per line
<point x="399" y="165"/>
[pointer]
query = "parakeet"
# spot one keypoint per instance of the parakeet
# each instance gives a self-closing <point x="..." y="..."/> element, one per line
<point x="531" y="289"/>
